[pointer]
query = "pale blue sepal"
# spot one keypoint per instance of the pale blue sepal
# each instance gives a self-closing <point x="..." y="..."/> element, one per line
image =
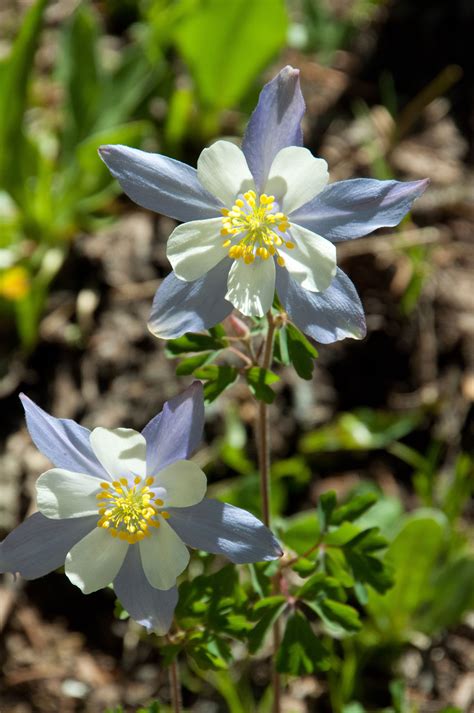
<point x="275" y="123"/>
<point x="150" y="607"/>
<point x="159" y="183"/>
<point x="176" y="432"/>
<point x="181" y="307"/>
<point x="351" y="209"/>
<point x="40" y="545"/>
<point x="224" y="529"/>
<point x="62" y="440"/>
<point x="326" y="316"/>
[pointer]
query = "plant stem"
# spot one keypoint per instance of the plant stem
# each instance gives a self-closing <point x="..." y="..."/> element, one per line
<point x="263" y="447"/>
<point x="263" y="435"/>
<point x="175" y="688"/>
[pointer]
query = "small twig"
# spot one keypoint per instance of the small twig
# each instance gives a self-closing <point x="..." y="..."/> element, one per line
<point x="175" y="688"/>
<point x="241" y="355"/>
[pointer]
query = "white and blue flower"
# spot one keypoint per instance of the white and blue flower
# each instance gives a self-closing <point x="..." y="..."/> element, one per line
<point x="121" y="507"/>
<point x="258" y="220"/>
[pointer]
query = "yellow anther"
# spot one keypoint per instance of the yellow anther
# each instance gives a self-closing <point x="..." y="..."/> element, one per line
<point x="159" y="501"/>
<point x="127" y="511"/>
<point x="280" y="261"/>
<point x="165" y="514"/>
<point x="257" y="226"/>
<point x="224" y="211"/>
<point x="104" y="485"/>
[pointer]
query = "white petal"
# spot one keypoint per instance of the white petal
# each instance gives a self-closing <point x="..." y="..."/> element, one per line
<point x="195" y="248"/>
<point x="184" y="482"/>
<point x="164" y="556"/>
<point x="312" y="262"/>
<point x="122" y="451"/>
<point x="223" y="170"/>
<point x="96" y="560"/>
<point x="251" y="288"/>
<point x="295" y="177"/>
<point x="62" y="494"/>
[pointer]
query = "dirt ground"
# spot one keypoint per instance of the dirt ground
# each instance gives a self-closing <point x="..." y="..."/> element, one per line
<point x="97" y="363"/>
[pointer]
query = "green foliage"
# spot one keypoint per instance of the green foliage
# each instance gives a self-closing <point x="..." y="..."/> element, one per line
<point x="292" y="347"/>
<point x="259" y="381"/>
<point x="434" y="584"/>
<point x="216" y="379"/>
<point x="226" y="69"/>
<point x="363" y="429"/>
<point x="301" y="651"/>
<point x="52" y="182"/>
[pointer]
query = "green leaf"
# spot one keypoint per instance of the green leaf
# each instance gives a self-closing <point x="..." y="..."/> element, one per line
<point x="187" y="366"/>
<point x="301" y="531"/>
<point x="280" y="348"/>
<point x="453" y="595"/>
<point x="191" y="342"/>
<point x="301" y="352"/>
<point x="304" y="567"/>
<point x="361" y="430"/>
<point x="269" y="610"/>
<point x="413" y="554"/>
<point x="356" y="507"/>
<point x="341" y="535"/>
<point x="340" y="615"/>
<point x="15" y="75"/>
<point x="211" y="654"/>
<point x="319" y="584"/>
<point x="301" y="651"/>
<point x="259" y="380"/>
<point x="338" y="567"/>
<point x="224" y="72"/>
<point x="370" y="570"/>
<point x="218" y="378"/>
<point x="326" y="505"/>
<point x="81" y="79"/>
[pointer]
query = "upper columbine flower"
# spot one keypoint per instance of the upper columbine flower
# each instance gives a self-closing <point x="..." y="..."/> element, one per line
<point x="121" y="506"/>
<point x="259" y="219"/>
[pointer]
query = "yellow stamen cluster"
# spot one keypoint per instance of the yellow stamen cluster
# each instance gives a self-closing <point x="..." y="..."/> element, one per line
<point x="127" y="510"/>
<point x="255" y="219"/>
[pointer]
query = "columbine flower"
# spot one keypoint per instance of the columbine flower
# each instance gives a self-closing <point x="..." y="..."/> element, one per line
<point x="259" y="218"/>
<point x="121" y="506"/>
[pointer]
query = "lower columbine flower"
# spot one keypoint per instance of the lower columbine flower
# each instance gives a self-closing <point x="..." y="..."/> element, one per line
<point x="258" y="220"/>
<point x="121" y="507"/>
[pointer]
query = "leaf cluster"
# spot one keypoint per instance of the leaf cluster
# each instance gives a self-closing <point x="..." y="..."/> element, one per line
<point x="340" y="562"/>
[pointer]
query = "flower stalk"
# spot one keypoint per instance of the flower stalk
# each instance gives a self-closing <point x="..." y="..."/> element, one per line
<point x="175" y="687"/>
<point x="263" y="449"/>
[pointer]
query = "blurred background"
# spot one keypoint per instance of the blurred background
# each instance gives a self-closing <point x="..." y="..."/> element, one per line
<point x="389" y="88"/>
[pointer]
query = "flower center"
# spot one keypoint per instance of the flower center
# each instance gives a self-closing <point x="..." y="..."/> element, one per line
<point x="261" y="231"/>
<point x="128" y="510"/>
